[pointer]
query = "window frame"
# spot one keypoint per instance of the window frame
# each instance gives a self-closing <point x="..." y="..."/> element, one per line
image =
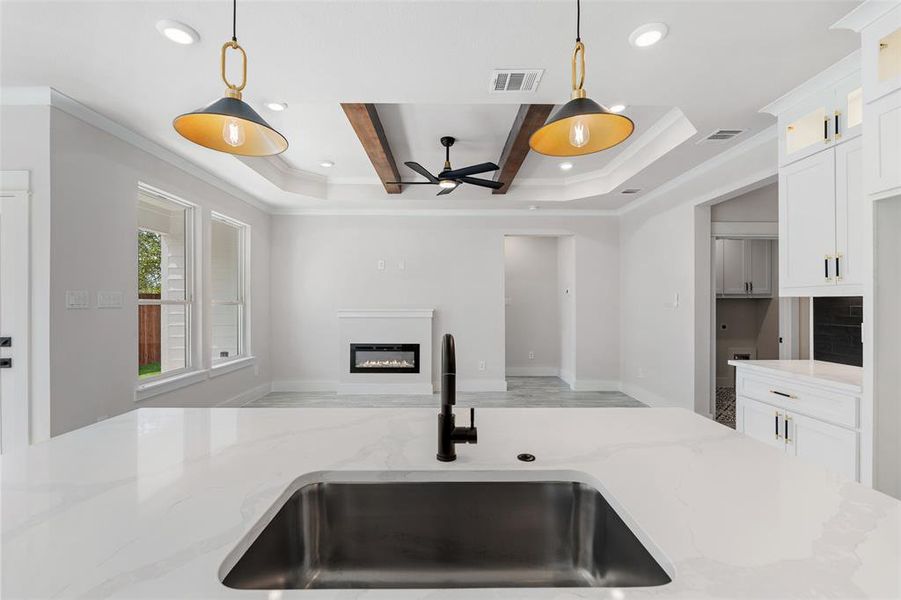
<point x="189" y="302"/>
<point x="243" y="292"/>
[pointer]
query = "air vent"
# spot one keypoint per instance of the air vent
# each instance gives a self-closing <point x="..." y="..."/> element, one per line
<point x="721" y="135"/>
<point x="630" y="191"/>
<point x="514" y="80"/>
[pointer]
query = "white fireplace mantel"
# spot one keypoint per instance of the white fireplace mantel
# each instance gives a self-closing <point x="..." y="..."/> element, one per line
<point x="387" y="326"/>
<point x="385" y="313"/>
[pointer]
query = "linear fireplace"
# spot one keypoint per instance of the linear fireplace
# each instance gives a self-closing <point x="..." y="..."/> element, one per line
<point x="384" y="358"/>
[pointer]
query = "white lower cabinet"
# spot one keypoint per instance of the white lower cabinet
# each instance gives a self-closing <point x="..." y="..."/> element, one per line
<point x="829" y="445"/>
<point x="795" y="419"/>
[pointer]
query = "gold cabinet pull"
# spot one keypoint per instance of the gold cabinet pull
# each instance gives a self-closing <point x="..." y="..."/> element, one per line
<point x="788" y="440"/>
<point x="777" y="426"/>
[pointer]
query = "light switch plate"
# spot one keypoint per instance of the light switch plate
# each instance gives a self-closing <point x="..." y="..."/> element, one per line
<point x="76" y="299"/>
<point x="109" y="299"/>
<point x="380" y="265"/>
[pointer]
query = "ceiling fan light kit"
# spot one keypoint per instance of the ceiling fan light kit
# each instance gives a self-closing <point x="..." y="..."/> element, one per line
<point x="230" y="124"/>
<point x="450" y="179"/>
<point x="581" y="126"/>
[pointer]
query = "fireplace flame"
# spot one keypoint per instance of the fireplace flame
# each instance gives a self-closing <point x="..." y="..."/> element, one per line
<point x="390" y="363"/>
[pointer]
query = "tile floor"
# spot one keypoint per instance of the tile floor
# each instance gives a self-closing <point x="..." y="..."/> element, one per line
<point x="725" y="406"/>
<point x="521" y="392"/>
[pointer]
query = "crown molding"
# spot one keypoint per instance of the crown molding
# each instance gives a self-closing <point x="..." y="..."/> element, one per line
<point x="278" y="172"/>
<point x="48" y="96"/>
<point x="824" y="79"/>
<point x="442" y="212"/>
<point x="864" y="14"/>
<point x="766" y="136"/>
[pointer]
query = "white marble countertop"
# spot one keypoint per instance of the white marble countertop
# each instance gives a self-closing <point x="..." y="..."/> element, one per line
<point x="820" y="372"/>
<point x="149" y="504"/>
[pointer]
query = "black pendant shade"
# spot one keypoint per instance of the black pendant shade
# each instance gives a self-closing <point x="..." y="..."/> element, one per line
<point x="581" y="126"/>
<point x="231" y="125"/>
<point x="604" y="129"/>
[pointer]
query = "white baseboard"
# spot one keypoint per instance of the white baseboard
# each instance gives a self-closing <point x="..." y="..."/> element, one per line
<point x="303" y="385"/>
<point x="481" y="385"/>
<point x="650" y="398"/>
<point x="594" y="385"/>
<point x="401" y="389"/>
<point x="567" y="377"/>
<point x="254" y="393"/>
<point x="533" y="372"/>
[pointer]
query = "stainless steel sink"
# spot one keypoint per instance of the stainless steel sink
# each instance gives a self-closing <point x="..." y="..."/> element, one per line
<point x="445" y="535"/>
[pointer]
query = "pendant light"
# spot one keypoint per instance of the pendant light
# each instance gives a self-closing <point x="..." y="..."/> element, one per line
<point x="581" y="126"/>
<point x="230" y="124"/>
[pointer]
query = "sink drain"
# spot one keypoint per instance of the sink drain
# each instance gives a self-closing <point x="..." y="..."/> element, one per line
<point x="526" y="457"/>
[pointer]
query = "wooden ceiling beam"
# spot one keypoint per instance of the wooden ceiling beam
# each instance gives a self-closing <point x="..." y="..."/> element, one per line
<point x="364" y="118"/>
<point x="529" y="118"/>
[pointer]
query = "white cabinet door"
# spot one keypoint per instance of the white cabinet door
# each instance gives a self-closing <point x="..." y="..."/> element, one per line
<point x="807" y="224"/>
<point x="759" y="267"/>
<point x="806" y="128"/>
<point x="849" y="213"/>
<point x="759" y="421"/>
<point x="882" y="122"/>
<point x="718" y="264"/>
<point x="831" y="446"/>
<point x="734" y="280"/>
<point x="848" y="117"/>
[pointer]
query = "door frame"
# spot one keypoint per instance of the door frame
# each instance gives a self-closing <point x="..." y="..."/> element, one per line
<point x="15" y="303"/>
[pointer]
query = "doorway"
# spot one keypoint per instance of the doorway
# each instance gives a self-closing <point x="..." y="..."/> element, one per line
<point x="748" y="319"/>
<point x="539" y="311"/>
<point x="14" y="311"/>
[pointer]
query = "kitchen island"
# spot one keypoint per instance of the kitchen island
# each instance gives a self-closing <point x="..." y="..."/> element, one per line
<point x="155" y="502"/>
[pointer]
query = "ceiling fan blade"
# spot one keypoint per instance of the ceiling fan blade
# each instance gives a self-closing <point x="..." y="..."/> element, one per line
<point x="422" y="171"/>
<point x="409" y="183"/>
<point x="495" y="185"/>
<point x="471" y="170"/>
<point x="446" y="191"/>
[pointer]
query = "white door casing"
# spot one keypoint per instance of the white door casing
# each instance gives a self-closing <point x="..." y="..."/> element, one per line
<point x="14" y="310"/>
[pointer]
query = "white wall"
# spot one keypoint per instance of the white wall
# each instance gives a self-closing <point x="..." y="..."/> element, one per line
<point x="757" y="206"/>
<point x="452" y="264"/>
<point x="25" y="146"/>
<point x="93" y="216"/>
<point x="533" y="306"/>
<point x="664" y="252"/>
<point x="566" y="281"/>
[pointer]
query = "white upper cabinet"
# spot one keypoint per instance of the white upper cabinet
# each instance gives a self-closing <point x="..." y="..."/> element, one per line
<point x="807" y="225"/>
<point x="826" y="118"/>
<point x="849" y="214"/>
<point x="883" y="146"/>
<point x="880" y="43"/>
<point x="744" y="267"/>
<point x="759" y="267"/>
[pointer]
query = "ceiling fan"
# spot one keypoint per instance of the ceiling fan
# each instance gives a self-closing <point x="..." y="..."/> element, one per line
<point x="449" y="179"/>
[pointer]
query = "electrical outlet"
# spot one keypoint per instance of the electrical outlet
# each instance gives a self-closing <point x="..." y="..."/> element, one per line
<point x="77" y="299"/>
<point x="531" y="355"/>
<point x="109" y="299"/>
<point x="481" y="365"/>
<point x="380" y="265"/>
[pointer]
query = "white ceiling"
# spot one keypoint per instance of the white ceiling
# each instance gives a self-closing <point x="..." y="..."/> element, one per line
<point x="427" y="65"/>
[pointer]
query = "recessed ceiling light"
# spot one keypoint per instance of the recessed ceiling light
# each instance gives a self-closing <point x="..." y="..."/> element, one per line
<point x="617" y="108"/>
<point x="327" y="164"/>
<point x="533" y="207"/>
<point x="566" y="166"/>
<point x="648" y="35"/>
<point x="276" y="106"/>
<point x="177" y="32"/>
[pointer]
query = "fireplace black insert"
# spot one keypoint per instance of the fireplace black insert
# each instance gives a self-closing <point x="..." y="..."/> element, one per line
<point x="384" y="358"/>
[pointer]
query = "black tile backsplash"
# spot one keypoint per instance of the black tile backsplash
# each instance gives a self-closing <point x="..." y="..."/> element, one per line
<point x="836" y="330"/>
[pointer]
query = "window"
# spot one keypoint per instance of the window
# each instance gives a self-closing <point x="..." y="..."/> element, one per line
<point x="228" y="254"/>
<point x="165" y="289"/>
